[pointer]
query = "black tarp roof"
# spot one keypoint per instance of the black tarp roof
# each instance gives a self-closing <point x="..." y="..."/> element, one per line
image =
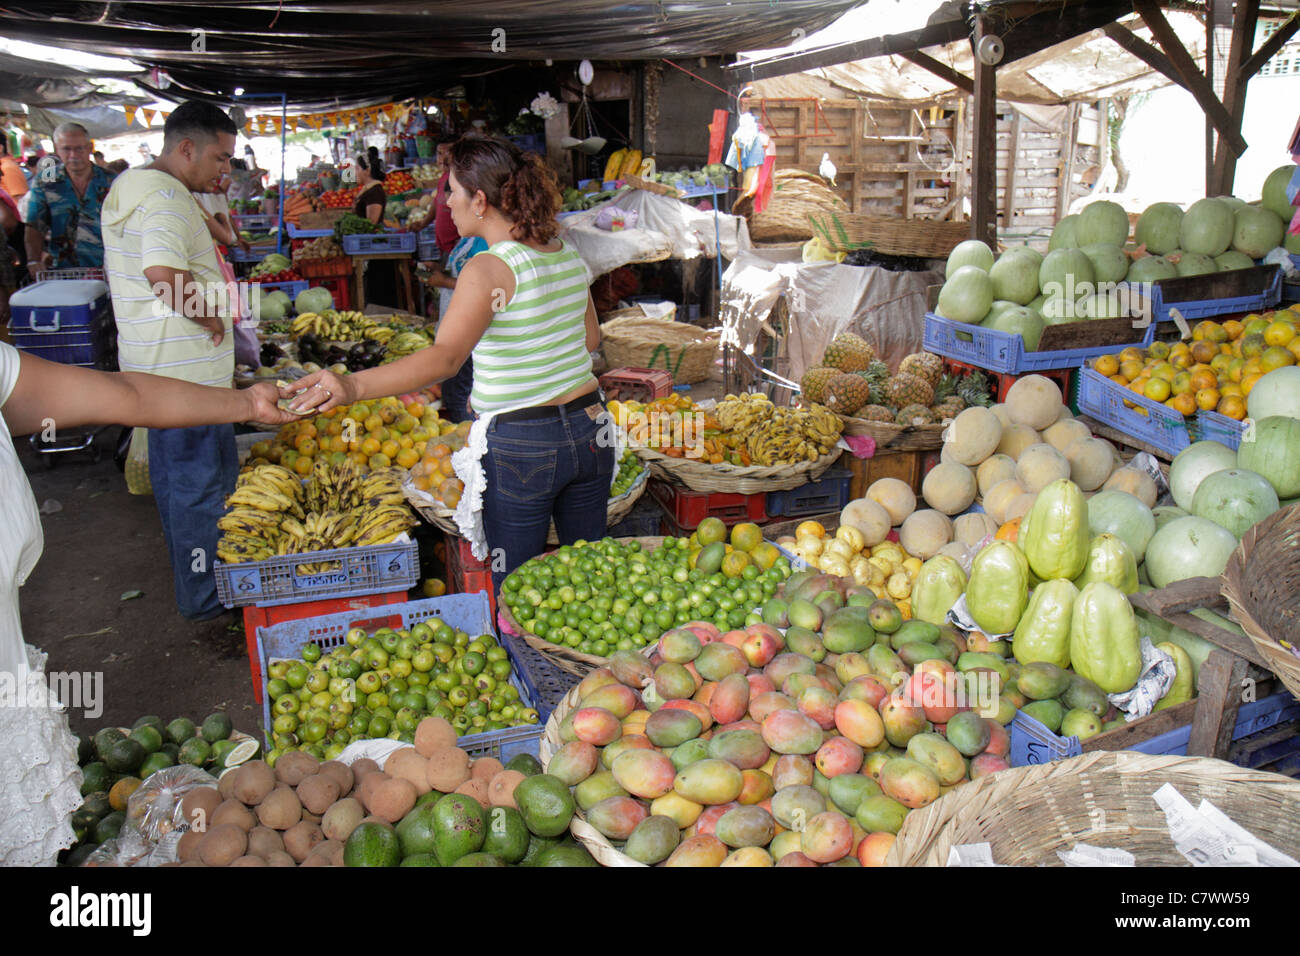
<point x="327" y="54"/>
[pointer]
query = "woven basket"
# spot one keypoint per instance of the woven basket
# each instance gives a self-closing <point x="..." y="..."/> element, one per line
<point x="734" y="479"/>
<point x="1260" y="583"/>
<point x="891" y="437"/>
<point x="796" y="195"/>
<point x="566" y="658"/>
<point x="925" y="238"/>
<point x="687" y="352"/>
<point x="1103" y="799"/>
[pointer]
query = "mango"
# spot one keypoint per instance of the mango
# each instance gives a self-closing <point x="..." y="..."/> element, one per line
<point x="795" y="859"/>
<point x="792" y="770"/>
<point x="596" y="726"/>
<point x="744" y="724"/>
<point x="800" y="640"/>
<point x="796" y="684"/>
<point x="758" y="787"/>
<point x="859" y="722"/>
<point x="913" y="632"/>
<point x="647" y="774"/>
<point x="653" y="840"/>
<point x="679" y="646"/>
<point x="881" y="814"/>
<point x="821" y="783"/>
<point x="730" y="699"/>
<point x="783" y="665"/>
<point x="875" y="762"/>
<point x="873" y="850"/>
<point x="596" y="788"/>
<point x="865" y="688"/>
<point x="987" y="763"/>
<point x="1083" y="694"/>
<point x="698" y="851"/>
<point x="901" y="720"/>
<point x="673" y="681"/>
<point x="818" y="704"/>
<point x="634" y="723"/>
<point x="610" y="752"/>
<point x="968" y="732"/>
<point x="934" y="752"/>
<point x="848" y="630"/>
<point x="574" y="762"/>
<point x="566" y="731"/>
<point x="837" y="756"/>
<point x="828" y="602"/>
<point x="917" y="651"/>
<point x="936" y="695"/>
<point x="848" y="790"/>
<point x="759" y="684"/>
<point x="1049" y="713"/>
<point x="762" y="705"/>
<point x="910" y="782"/>
<point x="688" y="753"/>
<point x="596" y="679"/>
<point x="710" y="781"/>
<point x="794" y="806"/>
<point x="719" y="659"/>
<point x="787" y="841"/>
<point x="746" y="826"/>
<point x="617" y="817"/>
<point x="999" y="739"/>
<point x="850" y="666"/>
<point x="700" y="711"/>
<point x="707" y="823"/>
<point x="615" y="698"/>
<point x="804" y="614"/>
<point x="1041" y="680"/>
<point x="744" y="749"/>
<point x="749" y="856"/>
<point x="827" y="837"/>
<point x="1080" y="723"/>
<point x="776" y="612"/>
<point x="669" y="728"/>
<point x="825" y="672"/>
<point x="791" y="732"/>
<point x="977" y="660"/>
<point x="762" y="643"/>
<point x="677" y="808"/>
<point x="887" y="665"/>
<point x="629" y="668"/>
<point x="884" y="617"/>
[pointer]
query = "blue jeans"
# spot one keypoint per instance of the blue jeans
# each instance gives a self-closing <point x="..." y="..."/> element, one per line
<point x="554" y="467"/>
<point x="456" y="391"/>
<point x="192" y="471"/>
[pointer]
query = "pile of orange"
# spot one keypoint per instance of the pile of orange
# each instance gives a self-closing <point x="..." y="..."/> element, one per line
<point x="675" y="426"/>
<point x="434" y="472"/>
<point x="1216" y="370"/>
<point x="376" y="434"/>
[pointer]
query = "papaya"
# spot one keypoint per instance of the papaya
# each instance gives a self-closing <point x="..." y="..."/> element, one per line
<point x="998" y="589"/>
<point x="1104" y="640"/>
<point x="1043" y="633"/>
<point x="938" y="585"/>
<point x="1110" y="560"/>
<point x="1055" y="538"/>
<point x="1182" y="688"/>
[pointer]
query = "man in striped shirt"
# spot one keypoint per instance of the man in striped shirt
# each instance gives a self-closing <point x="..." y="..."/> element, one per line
<point x="173" y="315"/>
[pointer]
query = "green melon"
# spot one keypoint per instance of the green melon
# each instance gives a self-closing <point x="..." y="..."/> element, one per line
<point x="1256" y="231"/>
<point x="967" y="295"/>
<point x="1207" y="227"/>
<point x="1102" y="222"/>
<point x="1157" y="228"/>
<point x="1274" y="197"/>
<point x="1272" y="449"/>
<point x="1235" y="499"/>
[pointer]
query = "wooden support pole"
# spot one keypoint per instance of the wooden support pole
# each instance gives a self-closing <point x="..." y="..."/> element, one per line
<point x="1013" y="164"/>
<point x="941" y="70"/>
<point x="1245" y="21"/>
<point x="1269" y="48"/>
<point x="984" y="173"/>
<point x="1144" y="51"/>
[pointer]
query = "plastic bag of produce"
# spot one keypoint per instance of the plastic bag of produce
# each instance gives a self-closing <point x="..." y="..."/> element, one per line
<point x="613" y="219"/>
<point x="155" y="807"/>
<point x="129" y="848"/>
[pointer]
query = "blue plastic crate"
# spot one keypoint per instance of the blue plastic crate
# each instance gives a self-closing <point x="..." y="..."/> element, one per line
<point x="830" y="492"/>
<point x="1212" y="426"/>
<point x="379" y="243"/>
<point x="254" y="222"/>
<point x="1261" y="288"/>
<point x="1162" y="427"/>
<point x="296" y="233"/>
<point x="428" y="251"/>
<point x="372" y="569"/>
<point x="291" y="288"/>
<point x="465" y="612"/>
<point x="546" y="684"/>
<point x="255" y="254"/>
<point x="1033" y="743"/>
<point x="1005" y="351"/>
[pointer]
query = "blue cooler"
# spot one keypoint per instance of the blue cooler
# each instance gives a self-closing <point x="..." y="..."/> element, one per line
<point x="65" y="320"/>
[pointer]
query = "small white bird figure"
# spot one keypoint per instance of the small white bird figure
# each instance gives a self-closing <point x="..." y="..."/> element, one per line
<point x="827" y="168"/>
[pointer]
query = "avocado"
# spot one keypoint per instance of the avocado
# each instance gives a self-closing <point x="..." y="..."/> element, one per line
<point x="479" y="859"/>
<point x="372" y="844"/>
<point x="417" y="832"/>
<point x="459" y="827"/>
<point x="110" y="826"/>
<point x="565" y="855"/>
<point x="507" y="834"/>
<point x="525" y="763"/>
<point x="95" y="777"/>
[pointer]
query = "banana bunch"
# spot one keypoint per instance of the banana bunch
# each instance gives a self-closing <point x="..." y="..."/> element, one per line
<point x="250" y="530"/>
<point x="380" y="333"/>
<point x="336" y="326"/>
<point x="794" y="434"/>
<point x="744" y="413"/>
<point x="383" y="524"/>
<point x="333" y="487"/>
<point x="406" y="343"/>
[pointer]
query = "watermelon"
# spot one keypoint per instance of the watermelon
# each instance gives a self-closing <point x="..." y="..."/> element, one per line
<point x="1066" y="272"/>
<point x="1234" y="498"/>
<point x="1191" y="547"/>
<point x="1274" y="197"/>
<point x="1272" y="449"/>
<point x="972" y="252"/>
<point x="1018" y="320"/>
<point x="1192" y="464"/>
<point x="1123" y="515"/>
<point x="1015" y="276"/>
<point x="1064" y="235"/>
<point x="1157" y="228"/>
<point x="967" y="295"/>
<point x="1109" y="263"/>
<point x="1102" y="222"/>
<point x="1277" y="393"/>
<point x="1151" y="268"/>
<point x="1232" y="259"/>
<point x="1257" y="231"/>
<point x="1207" y="227"/>
<point x="1196" y="264"/>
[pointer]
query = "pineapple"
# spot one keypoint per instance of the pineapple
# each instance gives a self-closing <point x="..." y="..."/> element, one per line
<point x="914" y="415"/>
<point x="849" y="353"/>
<point x="905" y="389"/>
<point x="927" y="365"/>
<point x="975" y="389"/>
<point x="847" y="393"/>
<point x="950" y="407"/>
<point x="875" y="413"/>
<point x="814" y="382"/>
<point x="876" y="376"/>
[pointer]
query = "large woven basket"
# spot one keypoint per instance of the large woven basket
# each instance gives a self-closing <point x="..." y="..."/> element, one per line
<point x="796" y="195"/>
<point x="566" y="658"/>
<point x="892" y="437"/>
<point x="633" y="339"/>
<point x="924" y="238"/>
<point x="734" y="479"/>
<point x="1261" y="583"/>
<point x="1102" y="799"/>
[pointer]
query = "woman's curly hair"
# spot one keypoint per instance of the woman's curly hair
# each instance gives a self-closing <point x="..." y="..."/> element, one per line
<point x="519" y="184"/>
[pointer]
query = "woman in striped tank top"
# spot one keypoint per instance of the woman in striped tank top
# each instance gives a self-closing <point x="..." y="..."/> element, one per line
<point x="522" y="309"/>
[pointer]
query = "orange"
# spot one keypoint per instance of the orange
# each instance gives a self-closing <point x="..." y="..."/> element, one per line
<point x="1220" y="362"/>
<point x="1009" y="531"/>
<point x="1234" y="368"/>
<point x="389" y="449"/>
<point x="1200" y="330"/>
<point x="307" y="429"/>
<point x="359" y="412"/>
<point x="405" y="424"/>
<point x="1252" y="345"/>
<point x="415" y="409"/>
<point x="1231" y="388"/>
<point x="1130" y="369"/>
<point x="1182" y="382"/>
<point x="303" y="465"/>
<point x="1156" y="389"/>
<point x="1233" y="328"/>
<point x="1279" y="332"/>
<point x="1216" y="333"/>
<point x="1208" y="398"/>
<point x="423" y="482"/>
<point x="1251" y="367"/>
<point x="1256" y="325"/>
<point x="1131" y="354"/>
<point x="306" y="446"/>
<point x="1119" y="379"/>
<point x="1204" y="379"/>
<point x="1158" y="350"/>
<point x="1181" y="359"/>
<point x="1106" y="365"/>
<point x="1204" y="351"/>
<point x="1184" y="403"/>
<point x="1294" y="347"/>
<point x="407" y="458"/>
<point x="373" y="423"/>
<point x="1234" y="406"/>
<point x="1164" y="370"/>
<point x="1248" y="382"/>
<point x="1275" y="356"/>
<point x="440" y="450"/>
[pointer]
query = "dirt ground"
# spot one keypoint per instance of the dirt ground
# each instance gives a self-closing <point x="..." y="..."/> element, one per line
<point x="102" y="543"/>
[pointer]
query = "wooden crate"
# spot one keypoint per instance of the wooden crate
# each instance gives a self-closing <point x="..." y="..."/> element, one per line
<point x="321" y="220"/>
<point x="907" y="466"/>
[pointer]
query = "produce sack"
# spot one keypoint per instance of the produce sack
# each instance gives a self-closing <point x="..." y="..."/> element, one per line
<point x="137" y="464"/>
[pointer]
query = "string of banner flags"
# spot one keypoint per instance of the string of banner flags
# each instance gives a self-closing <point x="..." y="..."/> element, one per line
<point x="269" y="124"/>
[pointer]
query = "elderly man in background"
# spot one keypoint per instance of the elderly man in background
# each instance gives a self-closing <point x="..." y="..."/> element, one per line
<point x="63" y="210"/>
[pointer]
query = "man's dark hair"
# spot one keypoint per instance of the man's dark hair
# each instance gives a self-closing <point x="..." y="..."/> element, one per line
<point x="237" y="163"/>
<point x="198" y="122"/>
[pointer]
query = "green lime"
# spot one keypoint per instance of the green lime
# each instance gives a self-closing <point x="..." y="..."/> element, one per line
<point x="196" y="752"/>
<point x="125" y="756"/>
<point x="217" y="727"/>
<point x="110" y="826"/>
<point x="95" y="777"/>
<point x="155" y="762"/>
<point x="148" y="737"/>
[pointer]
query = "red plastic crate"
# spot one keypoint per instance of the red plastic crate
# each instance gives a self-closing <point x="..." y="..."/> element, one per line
<point x="255" y="617"/>
<point x="1002" y="381"/>
<point x="688" y="508"/>
<point x="636" y="384"/>
<point x="339" y="267"/>
<point x="466" y="574"/>
<point x="340" y="289"/>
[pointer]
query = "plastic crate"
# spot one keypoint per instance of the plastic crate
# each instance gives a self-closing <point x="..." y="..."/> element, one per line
<point x="1265" y="290"/>
<point x="379" y="243"/>
<point x="1220" y="428"/>
<point x="1033" y="743"/>
<point x="290" y="288"/>
<point x="340" y="267"/>
<point x="1276" y="749"/>
<point x="298" y="233"/>
<point x="465" y="612"/>
<point x="1005" y="352"/>
<point x="636" y="384"/>
<point x="340" y="289"/>
<point x="1162" y="427"/>
<point x="546" y="683"/>
<point x="427" y="251"/>
<point x="830" y="492"/>
<point x="688" y="508"/>
<point x="255" y="617"/>
<point x="365" y="570"/>
<point x="253" y="221"/>
<point x="466" y="574"/>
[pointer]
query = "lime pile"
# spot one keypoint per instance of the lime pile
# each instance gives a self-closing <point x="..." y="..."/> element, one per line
<point x="383" y="684"/>
<point x="629" y="467"/>
<point x="608" y="595"/>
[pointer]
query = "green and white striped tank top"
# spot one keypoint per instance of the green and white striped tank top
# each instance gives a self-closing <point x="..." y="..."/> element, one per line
<point x="535" y="350"/>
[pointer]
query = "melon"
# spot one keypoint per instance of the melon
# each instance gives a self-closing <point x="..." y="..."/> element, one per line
<point x="1018" y="320"/>
<point x="1273" y="450"/>
<point x="950" y="488"/>
<point x="1090" y="462"/>
<point x="999" y="497"/>
<point x="973" y="435"/>
<point x="1020" y="506"/>
<point x="998" y="307"/>
<point x="1028" y="251"/>
<point x="1207" y="227"/>
<point x="869" y="517"/>
<point x="1067" y="272"/>
<point x="1003" y="413"/>
<point x="1192" y="464"/>
<point x="972" y="252"/>
<point x="1061" y="435"/>
<point x="924" y="533"/>
<point x="1234" y="498"/>
<point x="1165" y="514"/>
<point x="1157" y="228"/>
<point x="971" y="529"/>
<point x="1257" y="231"/>
<point x="1064" y="234"/>
<point x="1015" y="439"/>
<point x="956" y="550"/>
<point x="1121" y="514"/>
<point x="1102" y="222"/>
<point x="1151" y="269"/>
<point x="1109" y="263"/>
<point x="1035" y="400"/>
<point x="994" y="469"/>
<point x="1190" y="547"/>
<point x="1115" y="303"/>
<point x="1277" y="393"/>
<point x="1196" y="264"/>
<point x="1136" y="482"/>
<point x="1058" y="309"/>
<point x="1232" y="259"/>
<point x="315" y="299"/>
<point x="895" y="496"/>
<point x="267" y="309"/>
<point x="967" y="295"/>
<point x="1274" y="194"/>
<point x="1040" y="465"/>
<point x="1015" y="276"/>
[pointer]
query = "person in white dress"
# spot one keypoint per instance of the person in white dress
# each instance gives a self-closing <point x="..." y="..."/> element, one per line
<point x="39" y="777"/>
